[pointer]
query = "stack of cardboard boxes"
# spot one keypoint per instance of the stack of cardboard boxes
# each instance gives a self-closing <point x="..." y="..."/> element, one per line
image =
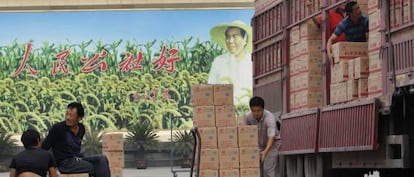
<point x="305" y="66"/>
<point x="349" y="72"/>
<point x="227" y="150"/>
<point x="113" y="149"/>
<point x="374" y="44"/>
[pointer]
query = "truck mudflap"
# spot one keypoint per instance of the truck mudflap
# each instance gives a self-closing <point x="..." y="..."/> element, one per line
<point x="299" y="132"/>
<point x="349" y="127"/>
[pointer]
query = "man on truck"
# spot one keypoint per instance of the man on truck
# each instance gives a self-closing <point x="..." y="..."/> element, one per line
<point x="269" y="137"/>
<point x="335" y="17"/>
<point x="354" y="25"/>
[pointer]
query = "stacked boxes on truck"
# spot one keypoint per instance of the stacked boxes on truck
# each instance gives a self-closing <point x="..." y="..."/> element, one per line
<point x="349" y="71"/>
<point x="228" y="149"/>
<point x="305" y="67"/>
<point x="374" y="44"/>
<point x="113" y="149"/>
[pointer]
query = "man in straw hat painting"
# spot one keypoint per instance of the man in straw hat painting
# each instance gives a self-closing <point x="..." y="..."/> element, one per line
<point x="234" y="66"/>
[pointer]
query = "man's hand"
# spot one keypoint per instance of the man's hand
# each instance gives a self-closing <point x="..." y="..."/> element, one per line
<point x="329" y="48"/>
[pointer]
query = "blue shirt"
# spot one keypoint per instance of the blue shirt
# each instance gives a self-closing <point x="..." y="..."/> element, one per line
<point x="64" y="143"/>
<point x="354" y="32"/>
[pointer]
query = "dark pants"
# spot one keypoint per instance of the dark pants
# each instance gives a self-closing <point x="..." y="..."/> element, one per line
<point x="95" y="165"/>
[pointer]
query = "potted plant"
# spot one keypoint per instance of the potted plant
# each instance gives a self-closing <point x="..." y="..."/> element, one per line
<point x="141" y="135"/>
<point x="7" y="149"/>
<point x="183" y="145"/>
<point x="92" y="143"/>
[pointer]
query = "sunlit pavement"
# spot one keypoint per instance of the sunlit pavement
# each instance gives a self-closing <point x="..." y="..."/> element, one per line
<point x="149" y="172"/>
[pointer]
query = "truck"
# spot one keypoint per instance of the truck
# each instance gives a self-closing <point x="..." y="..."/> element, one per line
<point x="337" y="128"/>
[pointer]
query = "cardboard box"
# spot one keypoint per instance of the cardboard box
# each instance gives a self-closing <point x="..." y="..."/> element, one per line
<point x="116" y="159"/>
<point x="361" y="67"/>
<point x="229" y="173"/>
<point x="117" y="172"/>
<point x="362" y="88"/>
<point x="364" y="8"/>
<point x="292" y="103"/>
<point x="209" y="159"/>
<point x="339" y="72"/>
<point x="310" y="47"/>
<point x="338" y="92"/>
<point x="374" y="21"/>
<point x="202" y="95"/>
<point x="374" y="42"/>
<point x="375" y="84"/>
<point x="209" y="173"/>
<point x="343" y="51"/>
<point x="208" y="137"/>
<point x="307" y="81"/>
<point x="241" y="120"/>
<point x="294" y="51"/>
<point x="294" y="35"/>
<point x="351" y="69"/>
<point x="227" y="137"/>
<point x="229" y="158"/>
<point x="294" y="67"/>
<point x="248" y="136"/>
<point x="294" y="82"/>
<point x="74" y="175"/>
<point x="204" y="116"/>
<point x="372" y="6"/>
<point x="225" y="116"/>
<point x="310" y="64"/>
<point x="113" y="141"/>
<point x="352" y="89"/>
<point x="249" y="157"/>
<point x="250" y="172"/>
<point x="375" y="64"/>
<point x="308" y="99"/>
<point x="406" y="11"/>
<point x="309" y="31"/>
<point x="223" y="94"/>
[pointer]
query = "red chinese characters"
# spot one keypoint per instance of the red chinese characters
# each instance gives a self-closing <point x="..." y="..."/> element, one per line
<point x="130" y="62"/>
<point x="90" y="66"/>
<point x="162" y="61"/>
<point x="61" y="63"/>
<point x="24" y="63"/>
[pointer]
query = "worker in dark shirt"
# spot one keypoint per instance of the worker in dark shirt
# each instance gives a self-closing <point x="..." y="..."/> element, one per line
<point x="335" y="16"/>
<point x="65" y="140"/>
<point x="33" y="161"/>
<point x="354" y="25"/>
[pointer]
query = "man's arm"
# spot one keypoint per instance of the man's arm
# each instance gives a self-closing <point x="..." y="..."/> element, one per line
<point x="329" y="48"/>
<point x="53" y="172"/>
<point x="50" y="138"/>
<point x="317" y="20"/>
<point x="13" y="172"/>
<point x="269" y="144"/>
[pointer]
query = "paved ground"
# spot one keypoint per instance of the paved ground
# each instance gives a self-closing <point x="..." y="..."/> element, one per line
<point x="149" y="172"/>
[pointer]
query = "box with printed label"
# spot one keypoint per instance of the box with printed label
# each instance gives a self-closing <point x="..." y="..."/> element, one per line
<point x="204" y="116"/>
<point x="241" y="120"/>
<point x="374" y="41"/>
<point x="351" y="68"/>
<point x="294" y="51"/>
<point x="248" y="136"/>
<point x="112" y="141"/>
<point x="310" y="64"/>
<point x="339" y="92"/>
<point x="223" y="94"/>
<point x="372" y="6"/>
<point x="117" y="172"/>
<point x="229" y="158"/>
<point x="308" y="81"/>
<point x="374" y="21"/>
<point x="116" y="159"/>
<point x="339" y="72"/>
<point x="250" y="172"/>
<point x="362" y="88"/>
<point x="310" y="47"/>
<point x="308" y="99"/>
<point x="361" y="67"/>
<point x="209" y="173"/>
<point x="375" y="63"/>
<point x="208" y="137"/>
<point x="227" y="137"/>
<point x="202" y="95"/>
<point x="294" y="35"/>
<point x="229" y="173"/>
<point x="352" y="89"/>
<point x="309" y="31"/>
<point x="225" y="116"/>
<point x="349" y="50"/>
<point x="375" y="84"/>
<point x="249" y="157"/>
<point x="209" y="159"/>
